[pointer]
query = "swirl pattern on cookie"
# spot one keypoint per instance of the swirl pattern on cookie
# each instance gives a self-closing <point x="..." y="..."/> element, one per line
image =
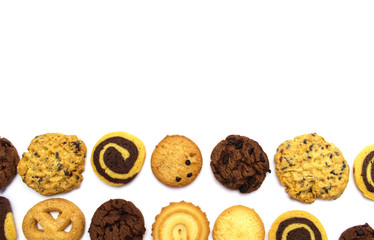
<point x="297" y="224"/>
<point x="181" y="221"/>
<point x="7" y="226"/>
<point x="118" y="157"/>
<point x="364" y="171"/>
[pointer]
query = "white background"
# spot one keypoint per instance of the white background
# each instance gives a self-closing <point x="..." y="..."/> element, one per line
<point x="269" y="70"/>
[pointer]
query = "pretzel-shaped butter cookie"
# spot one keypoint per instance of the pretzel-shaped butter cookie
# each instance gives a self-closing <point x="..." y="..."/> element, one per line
<point x="68" y="213"/>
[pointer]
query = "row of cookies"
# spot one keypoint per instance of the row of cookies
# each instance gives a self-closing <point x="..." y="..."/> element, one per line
<point x="121" y="219"/>
<point x="308" y="166"/>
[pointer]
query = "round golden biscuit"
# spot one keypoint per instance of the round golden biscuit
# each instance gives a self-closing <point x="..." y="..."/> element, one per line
<point x="297" y="225"/>
<point x="183" y="221"/>
<point x="53" y="228"/>
<point x="311" y="168"/>
<point x="54" y="163"/>
<point x="363" y="171"/>
<point x="176" y="161"/>
<point x="238" y="223"/>
<point x="118" y="157"/>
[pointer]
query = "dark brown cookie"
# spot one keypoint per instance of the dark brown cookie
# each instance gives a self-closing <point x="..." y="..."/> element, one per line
<point x="117" y="219"/>
<point x="364" y="232"/>
<point x="8" y="162"/>
<point x="239" y="163"/>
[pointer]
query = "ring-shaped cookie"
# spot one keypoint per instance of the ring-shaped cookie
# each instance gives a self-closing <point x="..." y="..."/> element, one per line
<point x="118" y="157"/>
<point x="363" y="169"/>
<point x="40" y="214"/>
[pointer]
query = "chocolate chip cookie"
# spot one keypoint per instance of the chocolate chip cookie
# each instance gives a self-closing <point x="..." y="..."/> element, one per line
<point x="8" y="162"/>
<point x="239" y="163"/>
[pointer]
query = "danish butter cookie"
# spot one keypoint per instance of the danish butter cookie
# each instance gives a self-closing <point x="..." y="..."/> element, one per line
<point x="239" y="163"/>
<point x="296" y="225"/>
<point x="311" y="168"/>
<point x="117" y="219"/>
<point x="56" y="229"/>
<point x="53" y="164"/>
<point x="363" y="171"/>
<point x="117" y="158"/>
<point x="176" y="161"/>
<point x="181" y="220"/>
<point x="359" y="232"/>
<point x="8" y="162"/>
<point x="7" y="226"/>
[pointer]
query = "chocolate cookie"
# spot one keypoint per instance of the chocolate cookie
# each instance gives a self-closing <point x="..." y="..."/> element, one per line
<point x="8" y="162"/>
<point x="117" y="219"/>
<point x="363" y="171"/>
<point x="239" y="163"/>
<point x="359" y="232"/>
<point x="118" y="157"/>
<point x="7" y="227"/>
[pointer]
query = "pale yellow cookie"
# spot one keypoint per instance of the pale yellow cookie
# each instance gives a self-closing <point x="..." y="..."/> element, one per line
<point x="239" y="223"/>
<point x="363" y="171"/>
<point x="176" y="161"/>
<point x="181" y="220"/>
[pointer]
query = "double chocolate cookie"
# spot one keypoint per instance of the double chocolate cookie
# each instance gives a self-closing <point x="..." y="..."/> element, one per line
<point x="239" y="163"/>
<point x="8" y="162"/>
<point x="359" y="232"/>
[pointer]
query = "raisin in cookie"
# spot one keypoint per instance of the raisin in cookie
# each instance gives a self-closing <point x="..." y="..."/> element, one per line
<point x="8" y="162"/>
<point x="311" y="168"/>
<point x="53" y="164"/>
<point x="239" y="163"/>
<point x="176" y="161"/>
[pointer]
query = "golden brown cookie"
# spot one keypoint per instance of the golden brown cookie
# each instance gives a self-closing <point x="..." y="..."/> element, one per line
<point x="7" y="226"/>
<point x="53" y="164"/>
<point x="68" y="213"/>
<point x="311" y="168"/>
<point x="181" y="220"/>
<point x="176" y="161"/>
<point x="8" y="162"/>
<point x="363" y="171"/>
<point x="238" y="223"/>
<point x="297" y="224"/>
<point x="118" y="157"/>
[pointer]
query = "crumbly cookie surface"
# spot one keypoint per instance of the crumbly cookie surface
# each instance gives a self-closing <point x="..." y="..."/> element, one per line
<point x="237" y="223"/>
<point x="176" y="161"/>
<point x="311" y="168"/>
<point x="53" y="164"/>
<point x="8" y="162"/>
<point x="181" y="220"/>
<point x="239" y="163"/>
<point x="363" y="171"/>
<point x="297" y="224"/>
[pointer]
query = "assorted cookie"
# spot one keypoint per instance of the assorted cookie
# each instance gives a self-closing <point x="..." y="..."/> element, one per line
<point x="311" y="168"/>
<point x="117" y="219"/>
<point x="176" y="161"/>
<point x="40" y="216"/>
<point x="238" y="222"/>
<point x="363" y="171"/>
<point x="359" y="232"/>
<point x="293" y="225"/>
<point x="7" y="226"/>
<point x="8" y="162"/>
<point x="118" y="157"/>
<point x="181" y="220"/>
<point x="239" y="163"/>
<point x="54" y="163"/>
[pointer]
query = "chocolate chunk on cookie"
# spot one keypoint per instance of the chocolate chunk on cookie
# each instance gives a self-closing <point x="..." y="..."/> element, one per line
<point x="117" y="219"/>
<point x="8" y="162"/>
<point x="239" y="163"/>
<point x="359" y="232"/>
<point x="7" y="226"/>
<point x="53" y="164"/>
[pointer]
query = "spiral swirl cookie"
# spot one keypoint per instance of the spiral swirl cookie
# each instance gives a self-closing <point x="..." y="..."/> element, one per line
<point x="176" y="161"/>
<point x="296" y="225"/>
<point x="311" y="168"/>
<point x="54" y="163"/>
<point x="56" y="229"/>
<point x="363" y="171"/>
<point x="237" y="223"/>
<point x="117" y="158"/>
<point x="117" y="219"/>
<point x="359" y="232"/>
<point x="239" y="163"/>
<point x="181" y="220"/>
<point x="8" y="162"/>
<point x="7" y="227"/>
